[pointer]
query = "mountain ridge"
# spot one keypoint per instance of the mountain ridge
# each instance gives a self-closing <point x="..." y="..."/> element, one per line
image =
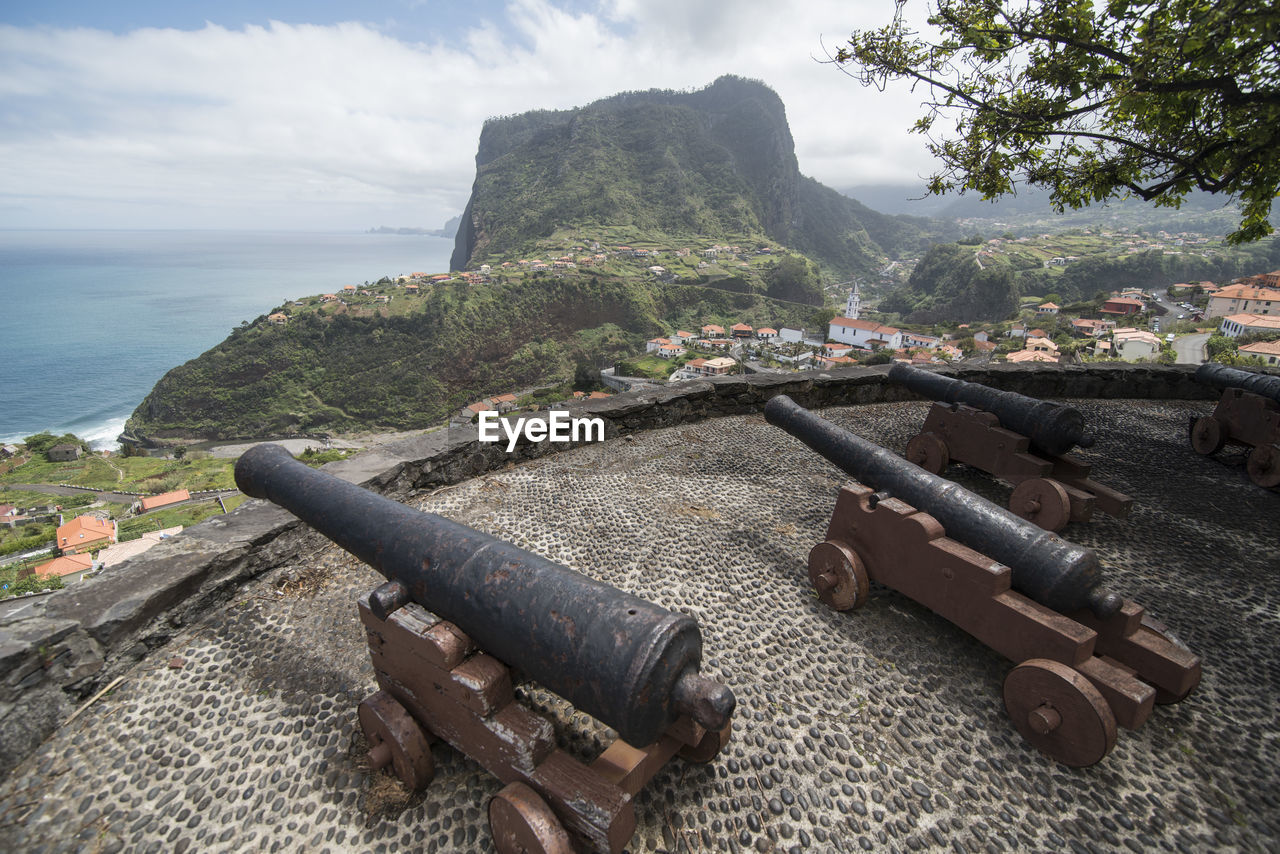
<point x="711" y="162"/>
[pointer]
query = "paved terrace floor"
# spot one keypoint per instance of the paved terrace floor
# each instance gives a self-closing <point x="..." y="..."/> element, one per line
<point x="880" y="729"/>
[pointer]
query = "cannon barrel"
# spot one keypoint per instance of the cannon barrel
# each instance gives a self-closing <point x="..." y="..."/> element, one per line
<point x="1045" y="567"/>
<point x="1052" y="427"/>
<point x="626" y="661"/>
<point x="1222" y="377"/>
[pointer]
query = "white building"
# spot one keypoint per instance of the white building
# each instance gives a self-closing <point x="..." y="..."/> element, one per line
<point x="1240" y="324"/>
<point x="867" y="334"/>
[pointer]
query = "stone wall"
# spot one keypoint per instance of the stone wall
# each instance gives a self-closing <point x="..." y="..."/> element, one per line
<point x="83" y="637"/>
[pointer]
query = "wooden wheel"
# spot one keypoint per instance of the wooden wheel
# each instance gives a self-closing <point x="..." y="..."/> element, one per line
<point x="1043" y="502"/>
<point x="395" y="739"/>
<point x="1263" y="465"/>
<point x="929" y="452"/>
<point x="838" y="575"/>
<point x="710" y="746"/>
<point x="1060" y="712"/>
<point x="1207" y="435"/>
<point x="522" y="823"/>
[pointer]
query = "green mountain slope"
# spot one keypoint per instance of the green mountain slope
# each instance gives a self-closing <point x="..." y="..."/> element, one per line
<point x="716" y="163"/>
<point x="336" y="369"/>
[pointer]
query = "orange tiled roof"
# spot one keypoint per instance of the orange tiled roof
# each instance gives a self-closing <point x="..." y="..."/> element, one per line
<point x="64" y="566"/>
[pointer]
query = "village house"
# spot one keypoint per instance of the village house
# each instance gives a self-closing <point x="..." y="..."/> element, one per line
<point x="654" y="344"/>
<point x="977" y="336"/>
<point x="471" y="410"/>
<point x="791" y="335"/>
<point x="866" y="334"/>
<point x="1263" y="280"/>
<point x="151" y="502"/>
<point x="710" y="367"/>
<point x="833" y="351"/>
<point x="1031" y="356"/>
<point x="1086" y="328"/>
<point x="1122" y="306"/>
<point x="742" y="330"/>
<point x="1042" y="345"/>
<point x="915" y="339"/>
<point x="711" y="330"/>
<point x="1242" y="299"/>
<point x="277" y="319"/>
<point x="503" y="402"/>
<point x="1047" y="308"/>
<point x="69" y="568"/>
<point x="1267" y="351"/>
<point x="333" y="297"/>
<point x="64" y="453"/>
<point x="120" y="552"/>
<point x="671" y="351"/>
<point x="85" y="533"/>
<point x="766" y="333"/>
<point x="1017" y="330"/>
<point x="1133" y="344"/>
<point x="984" y="346"/>
<point x="951" y="352"/>
<point x="383" y="298"/>
<point x="1243" y="324"/>
<point x="834" y="361"/>
<point x="680" y="336"/>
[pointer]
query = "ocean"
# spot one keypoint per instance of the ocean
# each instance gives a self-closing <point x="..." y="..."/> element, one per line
<point x="90" y="320"/>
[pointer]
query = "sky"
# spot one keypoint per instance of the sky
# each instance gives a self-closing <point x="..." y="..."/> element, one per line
<point x="338" y="115"/>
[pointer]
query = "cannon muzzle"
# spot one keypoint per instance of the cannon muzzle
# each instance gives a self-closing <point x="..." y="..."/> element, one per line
<point x="1044" y="567"/>
<point x="1222" y="377"/>
<point x="626" y="661"/>
<point x="1052" y="427"/>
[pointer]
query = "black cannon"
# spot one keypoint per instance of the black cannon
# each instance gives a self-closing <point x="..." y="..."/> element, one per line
<point x="1018" y="439"/>
<point x="628" y="662"/>
<point x="1087" y="660"/>
<point x="1052" y="427"/>
<point x="1222" y="377"/>
<point x="1045" y="567"/>
<point x="1248" y="414"/>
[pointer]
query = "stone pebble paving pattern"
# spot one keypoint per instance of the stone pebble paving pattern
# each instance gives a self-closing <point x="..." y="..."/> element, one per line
<point x="880" y="729"/>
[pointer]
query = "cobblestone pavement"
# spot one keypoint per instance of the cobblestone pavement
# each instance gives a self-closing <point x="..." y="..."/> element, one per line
<point x="878" y="729"/>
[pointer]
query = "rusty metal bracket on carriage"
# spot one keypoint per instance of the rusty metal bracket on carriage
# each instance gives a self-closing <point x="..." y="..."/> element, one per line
<point x="1247" y="414"/>
<point x="969" y="423"/>
<point x="446" y="673"/>
<point x="1087" y="661"/>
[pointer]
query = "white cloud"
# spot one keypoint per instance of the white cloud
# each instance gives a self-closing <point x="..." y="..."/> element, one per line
<point x="345" y="126"/>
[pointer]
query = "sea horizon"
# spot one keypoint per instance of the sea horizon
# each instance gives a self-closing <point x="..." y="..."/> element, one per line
<point x="93" y="318"/>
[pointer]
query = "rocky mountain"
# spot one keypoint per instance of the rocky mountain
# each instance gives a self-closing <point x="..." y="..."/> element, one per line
<point x="715" y="163"/>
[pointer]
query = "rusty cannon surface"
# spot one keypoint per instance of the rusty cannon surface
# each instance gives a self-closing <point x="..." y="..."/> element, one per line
<point x="1087" y="660"/>
<point x="1247" y="414"/>
<point x="1013" y="438"/>
<point x="459" y="611"/>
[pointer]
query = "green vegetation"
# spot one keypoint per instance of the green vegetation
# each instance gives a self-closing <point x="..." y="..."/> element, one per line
<point x="1152" y="98"/>
<point x="988" y="280"/>
<point x="12" y="585"/>
<point x="39" y="444"/>
<point x="335" y="372"/>
<point x="688" y="166"/>
<point x="186" y="515"/>
<point x="25" y="538"/>
<point x="195" y="472"/>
